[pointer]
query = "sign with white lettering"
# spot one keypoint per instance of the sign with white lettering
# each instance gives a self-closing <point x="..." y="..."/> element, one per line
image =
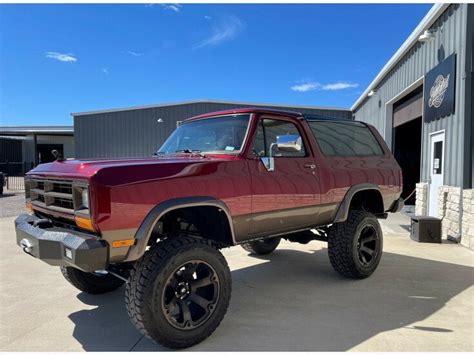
<point x="439" y="93"/>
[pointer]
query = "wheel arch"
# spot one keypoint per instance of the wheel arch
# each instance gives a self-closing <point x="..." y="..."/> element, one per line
<point x="144" y="232"/>
<point x="356" y="194"/>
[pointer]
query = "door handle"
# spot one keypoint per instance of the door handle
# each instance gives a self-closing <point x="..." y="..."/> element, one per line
<point x="310" y="166"/>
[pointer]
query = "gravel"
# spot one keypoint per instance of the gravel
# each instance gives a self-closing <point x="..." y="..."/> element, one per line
<point x="12" y="203"/>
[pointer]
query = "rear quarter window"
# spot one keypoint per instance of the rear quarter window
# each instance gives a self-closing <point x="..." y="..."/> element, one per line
<point x="345" y="139"/>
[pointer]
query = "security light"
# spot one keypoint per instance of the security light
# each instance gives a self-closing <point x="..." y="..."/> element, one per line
<point x="371" y="93"/>
<point x="427" y="36"/>
<point x="159" y="120"/>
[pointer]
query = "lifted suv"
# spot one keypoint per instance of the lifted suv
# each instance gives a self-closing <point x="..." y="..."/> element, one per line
<point x="247" y="176"/>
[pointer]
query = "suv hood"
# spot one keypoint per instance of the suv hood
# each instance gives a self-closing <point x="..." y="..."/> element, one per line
<point x="85" y="169"/>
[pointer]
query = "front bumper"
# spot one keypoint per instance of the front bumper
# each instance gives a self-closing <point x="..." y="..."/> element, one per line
<point x="60" y="247"/>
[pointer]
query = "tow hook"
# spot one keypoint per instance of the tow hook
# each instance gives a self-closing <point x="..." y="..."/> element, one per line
<point x="26" y="245"/>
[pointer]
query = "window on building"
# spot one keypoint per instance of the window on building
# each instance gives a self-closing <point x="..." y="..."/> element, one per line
<point x="267" y="132"/>
<point x="345" y="139"/>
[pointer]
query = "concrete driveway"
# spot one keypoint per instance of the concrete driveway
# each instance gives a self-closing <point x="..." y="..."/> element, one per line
<point x="420" y="299"/>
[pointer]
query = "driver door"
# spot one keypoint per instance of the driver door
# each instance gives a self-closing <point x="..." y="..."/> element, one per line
<point x="286" y="198"/>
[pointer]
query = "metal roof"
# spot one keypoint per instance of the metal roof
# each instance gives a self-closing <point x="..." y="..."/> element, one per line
<point x="425" y="24"/>
<point x="25" y="130"/>
<point x="207" y="101"/>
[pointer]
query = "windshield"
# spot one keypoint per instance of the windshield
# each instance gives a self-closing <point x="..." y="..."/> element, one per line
<point x="217" y="135"/>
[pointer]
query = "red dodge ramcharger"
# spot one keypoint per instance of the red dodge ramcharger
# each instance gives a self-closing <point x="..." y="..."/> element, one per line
<point x="246" y="176"/>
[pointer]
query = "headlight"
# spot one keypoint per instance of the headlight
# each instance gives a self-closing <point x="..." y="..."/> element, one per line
<point x="85" y="198"/>
<point x="81" y="197"/>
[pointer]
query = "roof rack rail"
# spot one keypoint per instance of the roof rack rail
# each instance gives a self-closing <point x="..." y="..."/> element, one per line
<point x="311" y="117"/>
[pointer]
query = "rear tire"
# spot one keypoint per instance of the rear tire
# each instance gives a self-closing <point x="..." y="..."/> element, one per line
<point x="179" y="292"/>
<point x="93" y="283"/>
<point x="262" y="247"/>
<point x="355" y="246"/>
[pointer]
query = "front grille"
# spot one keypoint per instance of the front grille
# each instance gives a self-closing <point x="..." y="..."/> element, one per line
<point x="54" y="195"/>
<point x="63" y="187"/>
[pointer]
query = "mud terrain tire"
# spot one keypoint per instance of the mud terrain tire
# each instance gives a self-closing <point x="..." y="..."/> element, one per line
<point x="171" y="294"/>
<point x="355" y="246"/>
<point x="262" y="247"/>
<point x="91" y="282"/>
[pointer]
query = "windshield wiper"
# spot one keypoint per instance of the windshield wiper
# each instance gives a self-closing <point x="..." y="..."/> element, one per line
<point x="190" y="151"/>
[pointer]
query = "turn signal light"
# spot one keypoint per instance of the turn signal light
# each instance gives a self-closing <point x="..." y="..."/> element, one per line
<point x="29" y="207"/>
<point x="85" y="223"/>
<point x="123" y="243"/>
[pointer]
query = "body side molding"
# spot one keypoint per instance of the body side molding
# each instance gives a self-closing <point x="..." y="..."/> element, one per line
<point x="144" y="232"/>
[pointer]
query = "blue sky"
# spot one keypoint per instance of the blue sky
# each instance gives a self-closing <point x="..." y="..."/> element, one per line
<point x="58" y="59"/>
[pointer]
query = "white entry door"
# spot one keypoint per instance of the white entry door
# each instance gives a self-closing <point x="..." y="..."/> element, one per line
<point x="436" y="171"/>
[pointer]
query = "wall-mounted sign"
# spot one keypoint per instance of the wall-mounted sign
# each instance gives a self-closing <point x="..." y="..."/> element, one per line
<point x="439" y="93"/>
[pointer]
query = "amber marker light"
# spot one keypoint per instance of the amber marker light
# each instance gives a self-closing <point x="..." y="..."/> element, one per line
<point x="29" y="207"/>
<point x="85" y="223"/>
<point x="123" y="243"/>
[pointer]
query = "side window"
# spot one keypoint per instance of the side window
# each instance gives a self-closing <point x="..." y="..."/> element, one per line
<point x="345" y="139"/>
<point x="267" y="132"/>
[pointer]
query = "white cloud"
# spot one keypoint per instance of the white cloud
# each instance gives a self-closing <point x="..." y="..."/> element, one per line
<point x="62" y="57"/>
<point x="340" y="85"/>
<point x="105" y="71"/>
<point x="172" y="7"/>
<point x="225" y="31"/>
<point x="135" y="54"/>
<point x="208" y="17"/>
<point x="306" y="86"/>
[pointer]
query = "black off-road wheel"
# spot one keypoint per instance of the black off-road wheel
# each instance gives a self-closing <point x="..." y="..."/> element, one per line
<point x="355" y="246"/>
<point x="179" y="292"/>
<point x="93" y="283"/>
<point x="262" y="247"/>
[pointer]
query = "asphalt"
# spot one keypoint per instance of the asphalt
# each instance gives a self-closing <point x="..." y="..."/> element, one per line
<point x="420" y="299"/>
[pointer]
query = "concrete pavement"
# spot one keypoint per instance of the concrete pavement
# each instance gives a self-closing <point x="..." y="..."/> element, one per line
<point x="420" y="299"/>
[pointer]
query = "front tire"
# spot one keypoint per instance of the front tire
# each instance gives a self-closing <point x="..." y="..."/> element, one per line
<point x="355" y="246"/>
<point x="262" y="247"/>
<point x="179" y="292"/>
<point x="93" y="283"/>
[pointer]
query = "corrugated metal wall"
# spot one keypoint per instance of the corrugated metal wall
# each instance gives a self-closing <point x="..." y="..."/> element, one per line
<point x="451" y="35"/>
<point x="136" y="133"/>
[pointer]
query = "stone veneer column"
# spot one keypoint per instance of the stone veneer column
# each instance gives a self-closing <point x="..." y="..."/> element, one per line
<point x="421" y="205"/>
<point x="467" y="238"/>
<point x="449" y="207"/>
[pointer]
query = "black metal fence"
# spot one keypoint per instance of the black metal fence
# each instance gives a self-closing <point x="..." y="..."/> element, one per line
<point x="14" y="173"/>
<point x="12" y="168"/>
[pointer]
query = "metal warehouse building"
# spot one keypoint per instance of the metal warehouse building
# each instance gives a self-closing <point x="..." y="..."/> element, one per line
<point x="422" y="103"/>
<point x="23" y="147"/>
<point x="140" y="131"/>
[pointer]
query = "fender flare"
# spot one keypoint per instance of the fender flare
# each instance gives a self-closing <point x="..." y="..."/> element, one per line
<point x="144" y="231"/>
<point x="343" y="210"/>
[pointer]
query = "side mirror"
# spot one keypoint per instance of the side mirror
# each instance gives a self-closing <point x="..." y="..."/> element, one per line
<point x="286" y="143"/>
<point x="289" y="143"/>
